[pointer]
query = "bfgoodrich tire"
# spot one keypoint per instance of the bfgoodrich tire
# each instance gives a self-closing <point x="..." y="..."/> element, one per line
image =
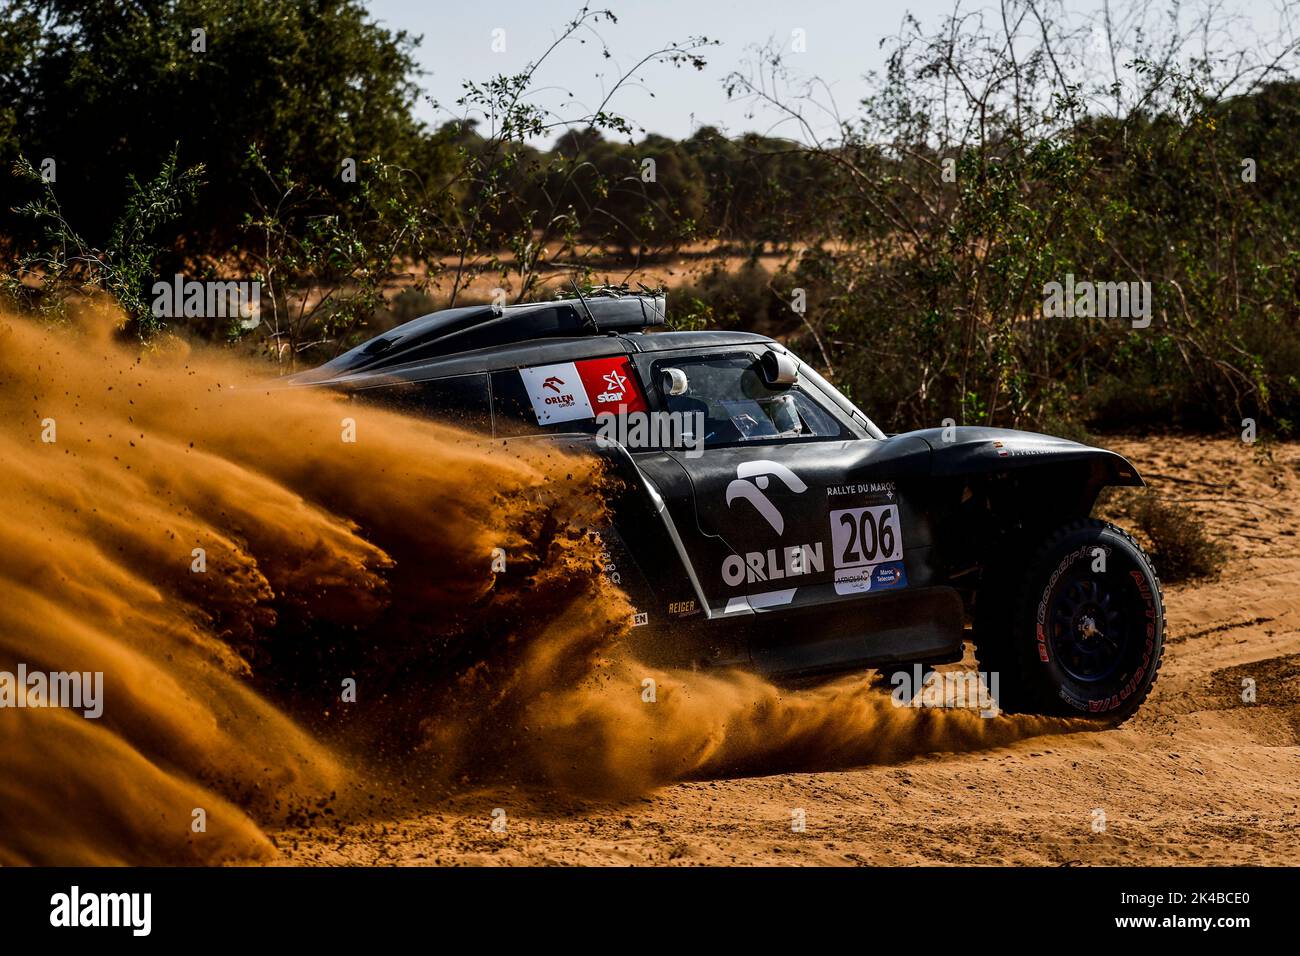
<point x="1080" y="631"/>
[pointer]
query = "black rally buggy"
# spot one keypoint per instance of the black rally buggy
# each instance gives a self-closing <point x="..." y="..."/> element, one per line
<point x="766" y="522"/>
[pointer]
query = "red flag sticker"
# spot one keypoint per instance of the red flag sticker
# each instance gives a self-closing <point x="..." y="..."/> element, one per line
<point x="611" y="385"/>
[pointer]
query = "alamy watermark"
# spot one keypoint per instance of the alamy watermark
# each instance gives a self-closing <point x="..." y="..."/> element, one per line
<point x="964" y="689"/>
<point x="658" y="430"/>
<point x="75" y="908"/>
<point x="238" y="299"/>
<point x="1100" y="300"/>
<point x="74" y="690"/>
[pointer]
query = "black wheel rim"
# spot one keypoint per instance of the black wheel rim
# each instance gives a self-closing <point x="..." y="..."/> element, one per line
<point x="1091" y="622"/>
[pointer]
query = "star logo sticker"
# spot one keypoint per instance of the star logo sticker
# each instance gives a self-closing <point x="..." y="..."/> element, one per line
<point x="615" y="382"/>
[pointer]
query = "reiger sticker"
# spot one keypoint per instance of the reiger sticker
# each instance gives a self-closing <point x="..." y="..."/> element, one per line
<point x="568" y="391"/>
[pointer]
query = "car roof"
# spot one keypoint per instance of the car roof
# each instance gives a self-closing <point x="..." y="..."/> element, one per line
<point x="544" y="351"/>
<point x="472" y="339"/>
<point x="664" y="341"/>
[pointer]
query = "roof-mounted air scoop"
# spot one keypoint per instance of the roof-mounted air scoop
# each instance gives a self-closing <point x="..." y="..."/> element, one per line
<point x="451" y="331"/>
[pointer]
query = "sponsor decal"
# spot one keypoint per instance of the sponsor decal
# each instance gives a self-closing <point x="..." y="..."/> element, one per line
<point x="866" y="542"/>
<point x="853" y="581"/>
<point x="570" y="391"/>
<point x="752" y="479"/>
<point x="888" y="575"/>
<point x="611" y="385"/>
<point x="556" y="393"/>
<point x="877" y="577"/>
<point x="882" y="489"/>
<point x="774" y="564"/>
<point x="867" y="545"/>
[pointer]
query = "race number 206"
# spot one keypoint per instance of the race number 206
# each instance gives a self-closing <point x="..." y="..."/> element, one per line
<point x="863" y="536"/>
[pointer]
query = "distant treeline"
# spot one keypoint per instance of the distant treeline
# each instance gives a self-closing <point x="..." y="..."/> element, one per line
<point x="278" y="139"/>
<point x="108" y="91"/>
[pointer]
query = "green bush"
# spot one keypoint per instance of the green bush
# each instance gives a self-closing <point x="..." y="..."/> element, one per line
<point x="1180" y="545"/>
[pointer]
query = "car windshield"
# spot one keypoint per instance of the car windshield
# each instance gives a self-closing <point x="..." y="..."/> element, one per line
<point x="738" y="406"/>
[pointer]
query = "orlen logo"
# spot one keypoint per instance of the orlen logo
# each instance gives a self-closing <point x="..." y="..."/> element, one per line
<point x="561" y="398"/>
<point x="752" y="491"/>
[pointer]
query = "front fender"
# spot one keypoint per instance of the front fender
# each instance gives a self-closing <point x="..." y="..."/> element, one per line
<point x="964" y="450"/>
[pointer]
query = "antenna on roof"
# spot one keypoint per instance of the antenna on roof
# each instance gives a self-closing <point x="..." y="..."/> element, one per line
<point x="590" y="323"/>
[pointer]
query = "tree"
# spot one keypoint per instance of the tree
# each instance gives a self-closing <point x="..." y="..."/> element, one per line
<point x="108" y="90"/>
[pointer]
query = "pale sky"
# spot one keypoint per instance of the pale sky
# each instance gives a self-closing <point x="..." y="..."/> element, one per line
<point x="842" y="40"/>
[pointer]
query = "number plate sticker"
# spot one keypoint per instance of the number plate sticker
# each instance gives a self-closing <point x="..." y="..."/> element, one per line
<point x="867" y="547"/>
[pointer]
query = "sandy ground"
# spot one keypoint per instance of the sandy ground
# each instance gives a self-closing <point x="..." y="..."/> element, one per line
<point x="1198" y="777"/>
